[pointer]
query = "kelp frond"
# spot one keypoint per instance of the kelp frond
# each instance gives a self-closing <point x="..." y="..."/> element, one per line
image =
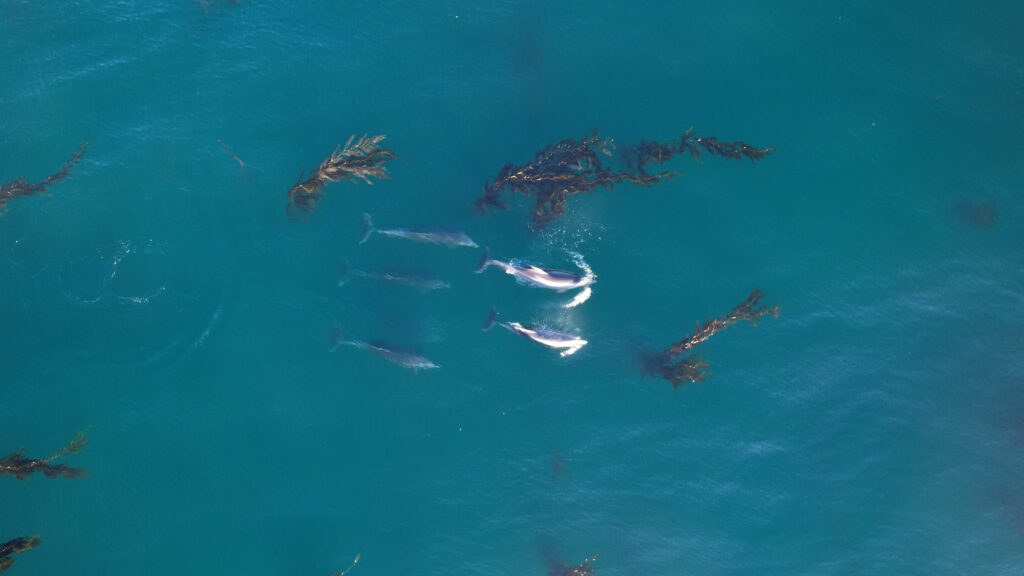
<point x="22" y="187"/>
<point x="17" y="465"/>
<point x="357" y="161"/>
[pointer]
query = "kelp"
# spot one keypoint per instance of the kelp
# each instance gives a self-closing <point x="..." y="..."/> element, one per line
<point x="557" y="172"/>
<point x="693" y="368"/>
<point x="644" y="152"/>
<point x="573" y="167"/>
<point x="359" y="161"/>
<point x="20" y="467"/>
<point x="16" y="546"/>
<point x="690" y="369"/>
<point x="22" y="187"/>
<point x="745" y="311"/>
<point x="556" y="568"/>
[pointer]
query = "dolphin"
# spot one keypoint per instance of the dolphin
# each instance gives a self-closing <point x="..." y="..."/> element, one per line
<point x="386" y="351"/>
<point x="449" y="238"/>
<point x="568" y="343"/>
<point x="410" y="279"/>
<point x="557" y="280"/>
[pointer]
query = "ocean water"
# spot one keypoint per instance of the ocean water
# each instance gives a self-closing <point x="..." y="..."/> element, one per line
<point x="161" y="297"/>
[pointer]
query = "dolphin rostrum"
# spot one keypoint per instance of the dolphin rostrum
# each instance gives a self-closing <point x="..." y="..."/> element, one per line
<point x="567" y="343"/>
<point x="557" y="280"/>
<point x="386" y="351"/>
<point x="449" y="238"/>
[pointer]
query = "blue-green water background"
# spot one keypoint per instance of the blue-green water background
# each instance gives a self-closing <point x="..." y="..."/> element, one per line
<point x="161" y="296"/>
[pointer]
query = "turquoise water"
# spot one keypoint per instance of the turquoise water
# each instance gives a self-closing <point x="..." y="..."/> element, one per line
<point x="161" y="296"/>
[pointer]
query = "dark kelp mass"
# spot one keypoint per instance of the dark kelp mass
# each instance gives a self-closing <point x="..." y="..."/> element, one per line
<point x="556" y="568"/>
<point x="693" y="368"/>
<point x="636" y="157"/>
<point x="573" y="166"/>
<point x="357" y="161"/>
<point x="16" y="546"/>
<point x="21" y="467"/>
<point x="22" y="187"/>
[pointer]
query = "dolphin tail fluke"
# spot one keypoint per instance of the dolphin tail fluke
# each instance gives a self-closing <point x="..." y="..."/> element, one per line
<point x="485" y="259"/>
<point x="492" y="317"/>
<point x="367" y="228"/>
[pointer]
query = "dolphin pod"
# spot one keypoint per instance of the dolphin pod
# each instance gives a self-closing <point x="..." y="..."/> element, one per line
<point x="559" y="281"/>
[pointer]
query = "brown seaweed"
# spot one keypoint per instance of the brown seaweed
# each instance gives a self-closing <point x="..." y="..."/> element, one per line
<point x="574" y="166"/>
<point x="644" y="152"/>
<point x="20" y="467"/>
<point x="557" y="172"/>
<point x="22" y="187"/>
<point x="359" y="161"/>
<point x="746" y="310"/>
<point x="693" y="368"/>
<point x="556" y="568"/>
<point x="16" y="546"/>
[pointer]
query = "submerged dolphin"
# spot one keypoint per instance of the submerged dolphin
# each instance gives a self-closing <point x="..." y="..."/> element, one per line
<point x="568" y="343"/>
<point x="449" y="238"/>
<point x="558" y="280"/>
<point x="411" y="279"/>
<point x="388" y="352"/>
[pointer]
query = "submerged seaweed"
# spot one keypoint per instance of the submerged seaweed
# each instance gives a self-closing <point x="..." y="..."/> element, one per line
<point x="16" y="546"/>
<point x="22" y="187"/>
<point x="556" y="568"/>
<point x="573" y="167"/>
<point x="21" y="467"/>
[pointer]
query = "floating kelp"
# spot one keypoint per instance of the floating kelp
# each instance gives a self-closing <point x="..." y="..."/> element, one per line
<point x="746" y="310"/>
<point x="557" y="172"/>
<point x="636" y="157"/>
<point x="575" y="166"/>
<point x="694" y="368"/>
<point x="690" y="369"/>
<point x="16" y="546"/>
<point x="556" y="568"/>
<point x="22" y="187"/>
<point x="357" y="161"/>
<point x="20" y="467"/>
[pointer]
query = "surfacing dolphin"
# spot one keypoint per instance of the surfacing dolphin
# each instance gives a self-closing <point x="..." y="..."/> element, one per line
<point x="420" y="281"/>
<point x="557" y="280"/>
<point x="567" y="343"/>
<point x="386" y="351"/>
<point x="449" y="238"/>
